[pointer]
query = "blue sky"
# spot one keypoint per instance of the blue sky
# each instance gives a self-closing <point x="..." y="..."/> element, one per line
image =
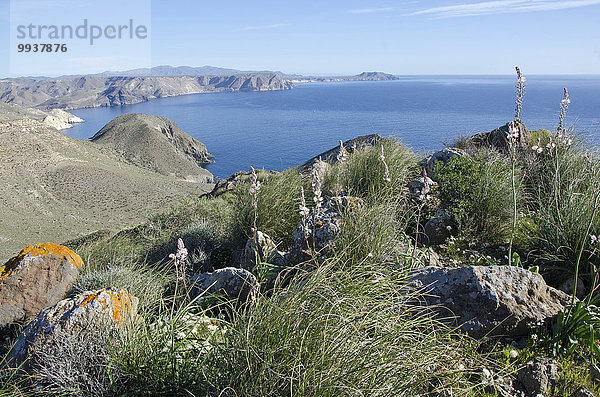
<point x="314" y="37"/>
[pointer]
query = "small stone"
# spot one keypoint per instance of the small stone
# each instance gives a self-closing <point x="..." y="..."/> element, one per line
<point x="569" y="285"/>
<point x="539" y="376"/>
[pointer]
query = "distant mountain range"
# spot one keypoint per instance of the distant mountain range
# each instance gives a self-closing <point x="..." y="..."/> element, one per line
<point x="167" y="70"/>
<point x="206" y="70"/>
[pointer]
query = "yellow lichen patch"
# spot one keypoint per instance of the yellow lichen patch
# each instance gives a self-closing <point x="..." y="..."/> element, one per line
<point x="40" y="250"/>
<point x="89" y="299"/>
<point x="121" y="306"/>
<point x="119" y="303"/>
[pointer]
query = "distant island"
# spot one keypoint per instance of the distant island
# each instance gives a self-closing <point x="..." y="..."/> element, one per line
<point x="364" y="76"/>
<point x="140" y="85"/>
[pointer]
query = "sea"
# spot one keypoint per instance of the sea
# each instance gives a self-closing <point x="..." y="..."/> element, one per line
<point x="277" y="130"/>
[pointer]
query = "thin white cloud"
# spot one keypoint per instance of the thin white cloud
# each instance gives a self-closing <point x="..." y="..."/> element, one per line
<point x="368" y="10"/>
<point x="263" y="27"/>
<point x="502" y="7"/>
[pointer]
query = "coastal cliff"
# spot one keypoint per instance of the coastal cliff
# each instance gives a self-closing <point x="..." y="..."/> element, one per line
<point x="97" y="91"/>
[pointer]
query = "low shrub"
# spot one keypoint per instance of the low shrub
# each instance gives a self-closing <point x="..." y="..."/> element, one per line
<point x="478" y="192"/>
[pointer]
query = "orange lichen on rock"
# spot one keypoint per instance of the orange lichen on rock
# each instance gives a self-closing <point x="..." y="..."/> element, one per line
<point x="120" y="303"/>
<point x="38" y="249"/>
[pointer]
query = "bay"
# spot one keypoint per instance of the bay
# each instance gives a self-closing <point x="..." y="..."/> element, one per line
<point x="281" y="129"/>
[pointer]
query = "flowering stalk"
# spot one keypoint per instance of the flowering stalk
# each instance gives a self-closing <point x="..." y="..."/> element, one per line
<point x="342" y="157"/>
<point x="178" y="258"/>
<point x="564" y="105"/>
<point x="303" y="210"/>
<point x="520" y="86"/>
<point x="317" y="171"/>
<point x="387" y="170"/>
<point x="561" y="138"/>
<point x="513" y="138"/>
<point x="343" y="153"/>
<point x="561" y="133"/>
<point x="254" y="190"/>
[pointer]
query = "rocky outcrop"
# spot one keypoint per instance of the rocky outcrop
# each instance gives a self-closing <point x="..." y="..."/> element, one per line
<point x="96" y="91"/>
<point x="364" y="76"/>
<point x="156" y="143"/>
<point x="54" y="118"/>
<point x="488" y="300"/>
<point x="60" y="119"/>
<point x="374" y="76"/>
<point x="38" y="277"/>
<point x="261" y="248"/>
<point x="321" y="228"/>
<point x="353" y="145"/>
<point x="91" y="308"/>
<point x="231" y="282"/>
<point x="498" y="138"/>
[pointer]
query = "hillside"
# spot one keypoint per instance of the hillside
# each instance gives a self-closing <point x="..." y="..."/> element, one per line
<point x="97" y="91"/>
<point x="56" y="118"/>
<point x="57" y="188"/>
<point x="155" y="143"/>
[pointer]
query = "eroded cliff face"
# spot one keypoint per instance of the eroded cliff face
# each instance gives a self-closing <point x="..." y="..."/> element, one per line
<point x="96" y="91"/>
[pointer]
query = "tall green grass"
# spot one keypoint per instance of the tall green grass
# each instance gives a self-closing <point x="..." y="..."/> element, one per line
<point x="363" y="175"/>
<point x="567" y="200"/>
<point x="338" y="332"/>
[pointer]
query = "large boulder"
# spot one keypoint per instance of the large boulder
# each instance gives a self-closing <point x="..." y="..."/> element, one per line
<point x="38" y="277"/>
<point x="231" y="282"/>
<point x="321" y="228"/>
<point x="91" y="308"/>
<point x="488" y="300"/>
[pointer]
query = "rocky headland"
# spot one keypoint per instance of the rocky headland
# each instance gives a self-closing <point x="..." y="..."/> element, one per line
<point x="156" y="143"/>
<point x="96" y="91"/>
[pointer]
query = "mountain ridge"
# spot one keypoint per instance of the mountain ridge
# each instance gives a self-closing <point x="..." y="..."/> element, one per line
<point x="98" y="91"/>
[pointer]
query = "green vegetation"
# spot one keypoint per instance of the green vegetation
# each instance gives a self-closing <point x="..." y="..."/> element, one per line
<point x="345" y="324"/>
<point x="476" y="191"/>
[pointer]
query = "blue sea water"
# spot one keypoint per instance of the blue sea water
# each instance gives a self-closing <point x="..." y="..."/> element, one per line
<point x="281" y="129"/>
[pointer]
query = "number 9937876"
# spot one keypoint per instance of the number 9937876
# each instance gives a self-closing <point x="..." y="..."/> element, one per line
<point x="41" y="47"/>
